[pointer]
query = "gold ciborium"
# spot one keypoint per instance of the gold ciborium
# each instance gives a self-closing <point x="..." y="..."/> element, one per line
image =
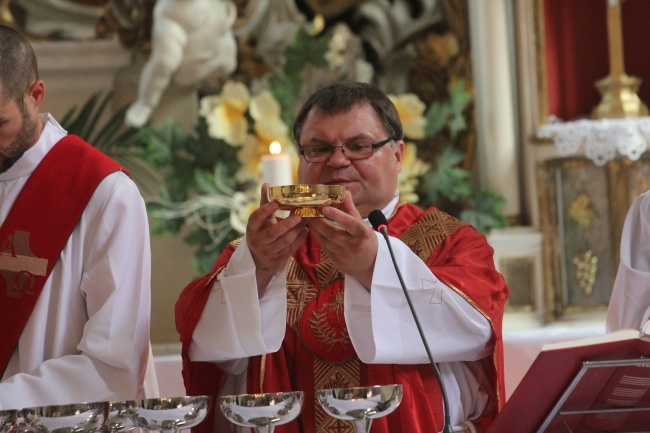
<point x="306" y="200"/>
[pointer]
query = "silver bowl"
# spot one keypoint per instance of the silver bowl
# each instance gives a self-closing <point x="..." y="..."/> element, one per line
<point x="361" y="404"/>
<point x="64" y="418"/>
<point x="169" y="414"/>
<point x="7" y="420"/>
<point x="262" y="411"/>
<point x="118" y="419"/>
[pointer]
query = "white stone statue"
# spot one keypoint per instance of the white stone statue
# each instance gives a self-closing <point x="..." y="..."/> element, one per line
<point x="191" y="40"/>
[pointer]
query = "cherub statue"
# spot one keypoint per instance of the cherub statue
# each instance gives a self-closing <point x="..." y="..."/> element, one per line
<point x="191" y="40"/>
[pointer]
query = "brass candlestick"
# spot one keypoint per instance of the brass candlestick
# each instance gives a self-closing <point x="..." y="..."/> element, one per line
<point x="618" y="90"/>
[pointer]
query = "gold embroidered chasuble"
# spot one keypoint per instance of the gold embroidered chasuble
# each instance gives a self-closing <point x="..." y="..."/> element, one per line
<point x="317" y="351"/>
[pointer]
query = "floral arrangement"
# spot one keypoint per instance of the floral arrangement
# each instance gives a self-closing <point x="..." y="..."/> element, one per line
<point x="212" y="176"/>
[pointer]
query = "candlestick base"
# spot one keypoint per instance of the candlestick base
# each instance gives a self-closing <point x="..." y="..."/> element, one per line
<point x="619" y="98"/>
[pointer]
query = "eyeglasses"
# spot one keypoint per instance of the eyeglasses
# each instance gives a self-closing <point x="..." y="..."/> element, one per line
<point x="352" y="151"/>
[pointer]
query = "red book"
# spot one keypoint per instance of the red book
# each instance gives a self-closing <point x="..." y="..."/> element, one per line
<point x="584" y="386"/>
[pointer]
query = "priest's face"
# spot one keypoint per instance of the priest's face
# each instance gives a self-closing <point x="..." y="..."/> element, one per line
<point x="20" y="125"/>
<point x="371" y="181"/>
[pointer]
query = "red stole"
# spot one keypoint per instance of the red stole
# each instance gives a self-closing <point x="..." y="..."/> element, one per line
<point x="38" y="226"/>
<point x="317" y="353"/>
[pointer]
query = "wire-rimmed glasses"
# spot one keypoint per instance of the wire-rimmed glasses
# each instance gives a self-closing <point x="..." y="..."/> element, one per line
<point x="318" y="153"/>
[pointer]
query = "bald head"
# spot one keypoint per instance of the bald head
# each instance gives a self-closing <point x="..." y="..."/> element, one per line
<point x="18" y="67"/>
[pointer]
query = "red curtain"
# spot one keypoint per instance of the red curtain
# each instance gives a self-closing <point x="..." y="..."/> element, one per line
<point x="577" y="53"/>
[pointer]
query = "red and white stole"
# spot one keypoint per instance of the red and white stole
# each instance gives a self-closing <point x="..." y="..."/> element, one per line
<point x="38" y="226"/>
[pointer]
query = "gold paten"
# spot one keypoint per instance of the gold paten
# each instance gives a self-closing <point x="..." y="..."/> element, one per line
<point x="306" y="200"/>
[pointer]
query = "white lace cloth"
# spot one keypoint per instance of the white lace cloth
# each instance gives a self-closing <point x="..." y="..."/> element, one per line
<point x="601" y="138"/>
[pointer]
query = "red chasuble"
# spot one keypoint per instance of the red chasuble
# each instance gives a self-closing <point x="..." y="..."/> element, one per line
<point x="317" y="352"/>
<point x="38" y="226"/>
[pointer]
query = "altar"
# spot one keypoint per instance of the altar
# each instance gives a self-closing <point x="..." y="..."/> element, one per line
<point x="521" y="347"/>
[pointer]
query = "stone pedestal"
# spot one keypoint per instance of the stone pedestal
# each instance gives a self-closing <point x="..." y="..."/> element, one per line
<point x="518" y="257"/>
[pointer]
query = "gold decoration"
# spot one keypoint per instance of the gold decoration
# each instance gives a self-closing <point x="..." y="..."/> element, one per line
<point x="582" y="211"/>
<point x="321" y="328"/>
<point x="586" y="267"/>
<point x="619" y="98"/>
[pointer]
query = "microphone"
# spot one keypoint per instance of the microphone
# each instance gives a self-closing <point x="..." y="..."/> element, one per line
<point x="379" y="223"/>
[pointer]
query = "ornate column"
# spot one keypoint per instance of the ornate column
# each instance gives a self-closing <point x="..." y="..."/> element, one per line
<point x="498" y="153"/>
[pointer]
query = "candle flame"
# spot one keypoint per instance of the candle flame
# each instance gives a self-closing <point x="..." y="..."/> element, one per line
<point x="275" y="148"/>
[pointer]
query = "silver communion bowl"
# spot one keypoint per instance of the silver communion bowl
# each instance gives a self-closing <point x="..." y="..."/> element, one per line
<point x="118" y="419"/>
<point x="64" y="418"/>
<point x="170" y="414"/>
<point x="7" y="420"/>
<point x="262" y="411"/>
<point x="361" y="404"/>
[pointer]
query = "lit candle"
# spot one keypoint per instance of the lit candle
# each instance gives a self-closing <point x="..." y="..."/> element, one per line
<point x="276" y="167"/>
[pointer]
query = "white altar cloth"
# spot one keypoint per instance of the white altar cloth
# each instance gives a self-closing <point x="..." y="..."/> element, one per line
<point x="520" y="350"/>
<point x="522" y="347"/>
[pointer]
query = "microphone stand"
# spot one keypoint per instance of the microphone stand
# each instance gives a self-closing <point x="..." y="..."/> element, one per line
<point x="447" y="427"/>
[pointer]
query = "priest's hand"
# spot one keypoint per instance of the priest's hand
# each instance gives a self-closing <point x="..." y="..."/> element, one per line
<point x="272" y="241"/>
<point x="349" y="242"/>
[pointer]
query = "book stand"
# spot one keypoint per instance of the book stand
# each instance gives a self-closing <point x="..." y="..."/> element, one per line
<point x="593" y="385"/>
<point x="621" y="405"/>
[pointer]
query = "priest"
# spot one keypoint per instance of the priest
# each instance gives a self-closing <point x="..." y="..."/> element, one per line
<point x="313" y="303"/>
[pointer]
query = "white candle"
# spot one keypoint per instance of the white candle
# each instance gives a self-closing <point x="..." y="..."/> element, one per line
<point x="276" y="167"/>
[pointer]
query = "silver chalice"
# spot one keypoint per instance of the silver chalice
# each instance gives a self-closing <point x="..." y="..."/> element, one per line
<point x="262" y="411"/>
<point x="64" y="418"/>
<point x="360" y="405"/>
<point x="118" y="419"/>
<point x="7" y="420"/>
<point x="171" y="414"/>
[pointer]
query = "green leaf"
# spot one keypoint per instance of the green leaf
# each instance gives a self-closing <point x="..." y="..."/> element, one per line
<point x="160" y="226"/>
<point x="437" y="116"/>
<point x="303" y="50"/>
<point x="113" y="133"/>
<point x="459" y="100"/>
<point x="180" y="179"/>
<point x="484" y="211"/>
<point x="445" y="178"/>
<point x="159" y="143"/>
<point x="449" y="114"/>
<point x="205" y="182"/>
<point x="78" y="125"/>
<point x="94" y="116"/>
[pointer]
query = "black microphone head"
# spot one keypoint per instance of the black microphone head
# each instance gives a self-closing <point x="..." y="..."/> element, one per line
<point x="377" y="219"/>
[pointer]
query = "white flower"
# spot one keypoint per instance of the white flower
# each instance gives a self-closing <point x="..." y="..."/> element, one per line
<point x="412" y="169"/>
<point x="244" y="203"/>
<point x="226" y="114"/>
<point x="411" y="113"/>
<point x="269" y="126"/>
